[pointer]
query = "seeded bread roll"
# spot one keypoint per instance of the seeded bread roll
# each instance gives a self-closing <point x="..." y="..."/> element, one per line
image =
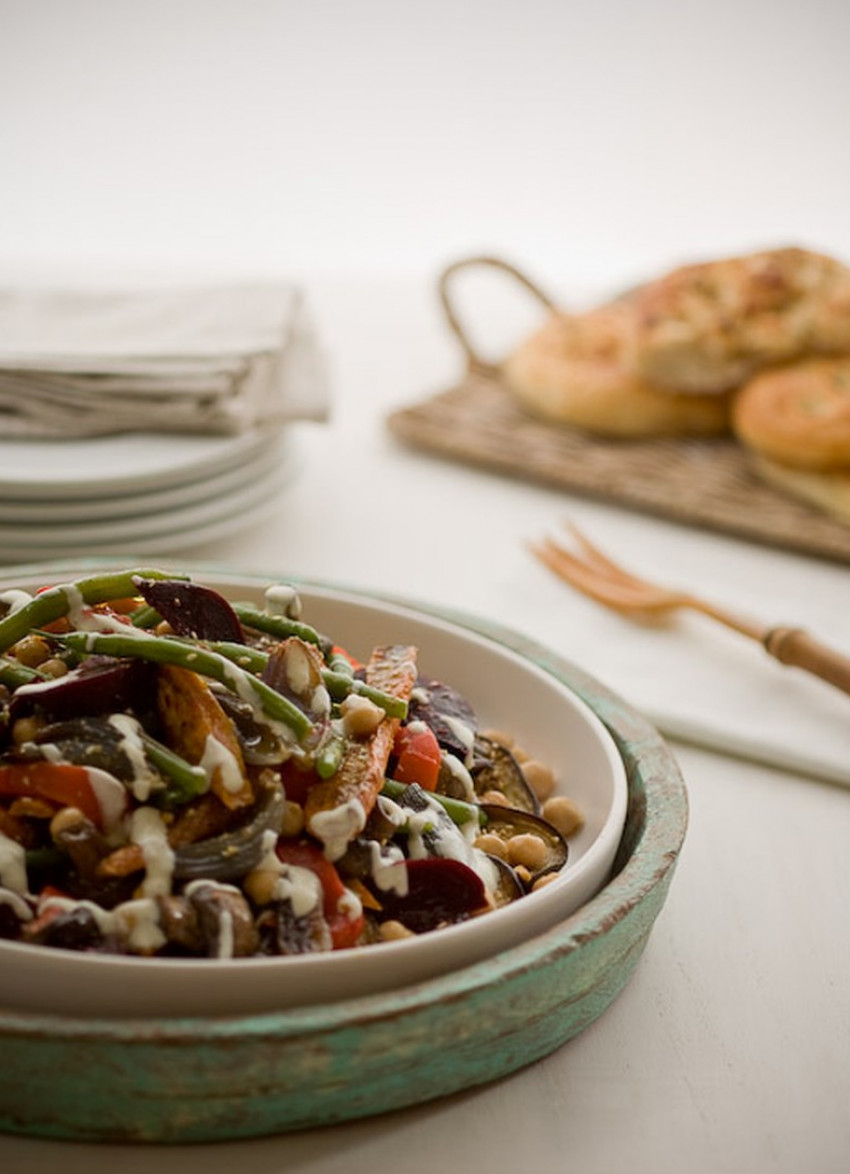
<point x="576" y="370"/>
<point x="799" y="415"/>
<point x="709" y="327"/>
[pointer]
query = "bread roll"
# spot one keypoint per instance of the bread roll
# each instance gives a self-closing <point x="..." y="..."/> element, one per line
<point x="577" y="370"/>
<point x="709" y="327"/>
<point x="798" y="415"/>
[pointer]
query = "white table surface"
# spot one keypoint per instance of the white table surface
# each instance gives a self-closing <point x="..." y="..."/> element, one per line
<point x="729" y="1050"/>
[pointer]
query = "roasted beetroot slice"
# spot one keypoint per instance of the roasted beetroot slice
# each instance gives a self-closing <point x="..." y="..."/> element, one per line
<point x="439" y="892"/>
<point x="103" y="684"/>
<point x="192" y="609"/>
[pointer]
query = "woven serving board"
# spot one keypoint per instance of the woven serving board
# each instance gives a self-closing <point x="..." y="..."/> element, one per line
<point x="706" y="483"/>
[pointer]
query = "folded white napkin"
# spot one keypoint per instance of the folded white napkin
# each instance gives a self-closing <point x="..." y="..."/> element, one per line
<point x="213" y="360"/>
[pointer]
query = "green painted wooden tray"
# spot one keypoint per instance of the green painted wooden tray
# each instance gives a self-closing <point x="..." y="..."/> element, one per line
<point x="187" y="1080"/>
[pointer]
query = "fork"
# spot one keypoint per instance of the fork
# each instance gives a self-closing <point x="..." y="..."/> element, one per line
<point x="596" y="575"/>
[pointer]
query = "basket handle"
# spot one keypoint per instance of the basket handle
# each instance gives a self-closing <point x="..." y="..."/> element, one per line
<point x="474" y="360"/>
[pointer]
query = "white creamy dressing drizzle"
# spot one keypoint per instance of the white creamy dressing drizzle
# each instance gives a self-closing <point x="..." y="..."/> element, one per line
<point x="195" y="886"/>
<point x="337" y="827"/>
<point x="224" y="916"/>
<point x="110" y="794"/>
<point x="13" y="865"/>
<point x="32" y="688"/>
<point x="135" y="922"/>
<point x="144" y="779"/>
<point x="460" y="773"/>
<point x="445" y="838"/>
<point x="217" y="757"/>
<point x="17" y="904"/>
<point x="49" y="751"/>
<point x="240" y="682"/>
<point x="85" y="619"/>
<point x="349" y="905"/>
<point x="388" y="868"/>
<point x="420" y="695"/>
<point x="417" y="727"/>
<point x="301" y="887"/>
<point x="282" y="599"/>
<point x="269" y="861"/>
<point x="147" y="829"/>
<point x="14" y="600"/>
<point x="462" y="731"/>
<point x="224" y="943"/>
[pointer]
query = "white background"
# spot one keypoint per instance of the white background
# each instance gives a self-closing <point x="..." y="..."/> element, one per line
<point x="360" y="147"/>
<point x="589" y="141"/>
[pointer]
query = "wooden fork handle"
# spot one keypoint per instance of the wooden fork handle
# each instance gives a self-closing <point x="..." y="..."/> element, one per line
<point x="793" y="646"/>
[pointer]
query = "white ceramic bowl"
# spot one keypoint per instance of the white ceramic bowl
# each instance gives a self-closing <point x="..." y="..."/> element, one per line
<point x="506" y="679"/>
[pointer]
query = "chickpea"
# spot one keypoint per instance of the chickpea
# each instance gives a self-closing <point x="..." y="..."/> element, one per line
<point x="539" y="777"/>
<point x="497" y="798"/>
<point x="527" y="849"/>
<point x="31" y="650"/>
<point x="394" y="931"/>
<point x="500" y="737"/>
<point x="53" y="667"/>
<point x="260" y="885"/>
<point x="492" y="844"/>
<point x="25" y="729"/>
<point x="67" y="819"/>
<point x="360" y="716"/>
<point x="563" y="814"/>
<point x="293" y="819"/>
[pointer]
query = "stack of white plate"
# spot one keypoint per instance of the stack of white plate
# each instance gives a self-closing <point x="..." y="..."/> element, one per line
<point x="135" y="492"/>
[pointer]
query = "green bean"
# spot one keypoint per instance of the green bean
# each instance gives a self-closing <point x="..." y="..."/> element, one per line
<point x="57" y="601"/>
<point x="13" y="674"/>
<point x="458" y="810"/>
<point x="330" y="756"/>
<point x="166" y="650"/>
<point x="338" y="685"/>
<point x="145" y="617"/>
<point x="38" y="859"/>
<point x="185" y="781"/>
<point x="252" y="660"/>
<point x="338" y="663"/>
<point x="275" y="625"/>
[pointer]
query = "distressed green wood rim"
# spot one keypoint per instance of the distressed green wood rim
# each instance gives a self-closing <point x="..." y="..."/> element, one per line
<point x="203" y="1079"/>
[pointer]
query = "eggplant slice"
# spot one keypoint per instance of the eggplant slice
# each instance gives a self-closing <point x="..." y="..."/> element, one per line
<point x="507" y="822"/>
<point x="496" y="769"/>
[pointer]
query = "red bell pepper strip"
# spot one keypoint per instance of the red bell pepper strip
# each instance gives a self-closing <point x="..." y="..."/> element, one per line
<point x="98" y="795"/>
<point x="419" y="756"/>
<point x="344" y="929"/>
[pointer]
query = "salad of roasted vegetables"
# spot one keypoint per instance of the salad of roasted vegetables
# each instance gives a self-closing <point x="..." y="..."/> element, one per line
<point x="183" y="775"/>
